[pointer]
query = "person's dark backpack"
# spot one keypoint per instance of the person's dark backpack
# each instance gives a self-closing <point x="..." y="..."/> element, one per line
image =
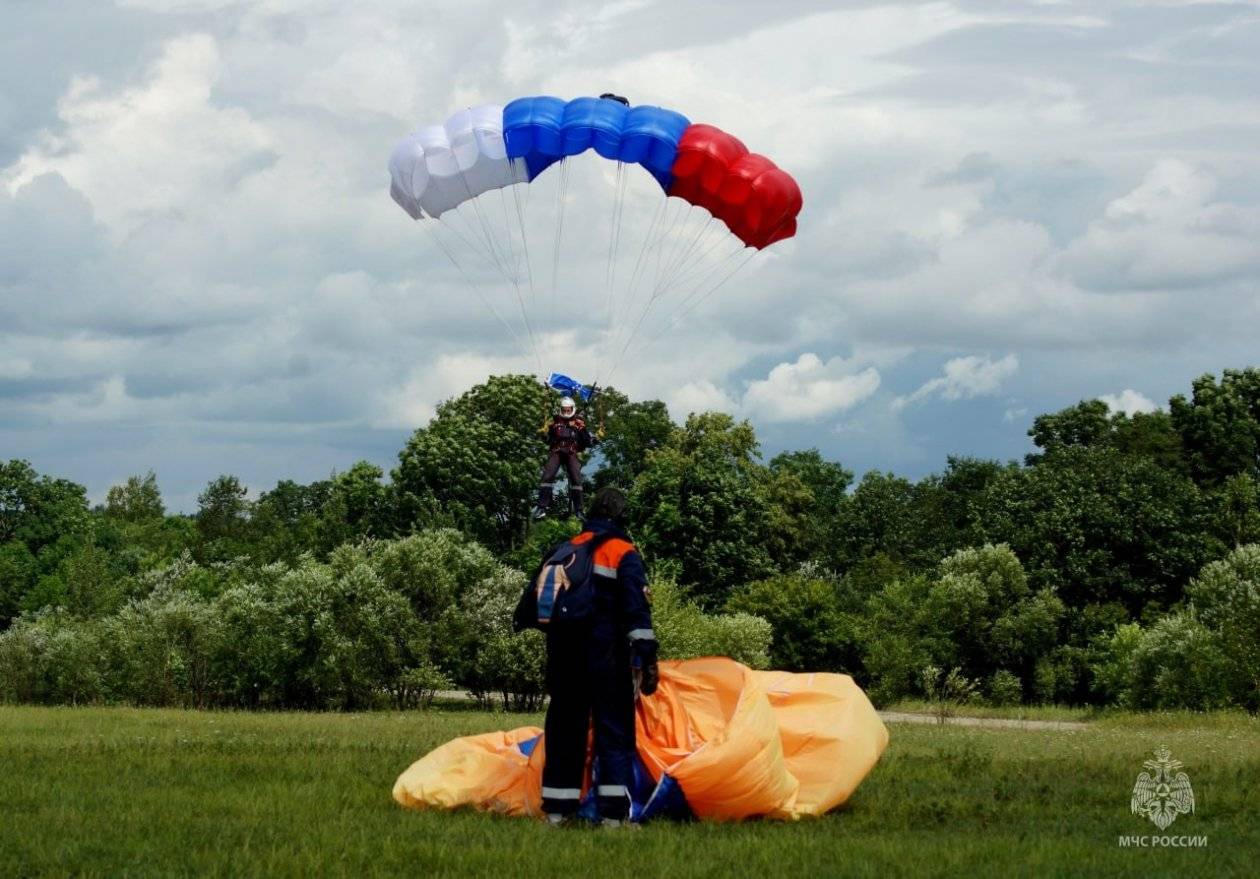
<point x="563" y="589"/>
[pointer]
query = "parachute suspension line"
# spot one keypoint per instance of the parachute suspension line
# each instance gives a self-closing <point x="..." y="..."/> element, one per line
<point x="653" y="234"/>
<point x="640" y="262"/>
<point x="466" y="234"/>
<point x="561" y="192"/>
<point x="487" y="232"/>
<point x="614" y="233"/>
<point x="437" y="239"/>
<point x="677" y="253"/>
<point x="517" y="164"/>
<point x="752" y="251"/>
<point x="655" y="292"/>
<point x="681" y="315"/>
<point x="667" y="239"/>
<point x="680" y="262"/>
<point x="696" y="302"/>
<point x="533" y="345"/>
<point x="695" y="278"/>
<point x="513" y="279"/>
<point x="507" y="228"/>
<point x="697" y="270"/>
<point x="615" y="314"/>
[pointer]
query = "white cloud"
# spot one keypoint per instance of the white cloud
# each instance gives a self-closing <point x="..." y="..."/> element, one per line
<point x="153" y="149"/>
<point x="1130" y="402"/>
<point x="1171" y="231"/>
<point x="809" y="389"/>
<point x="964" y="378"/>
<point x="700" y="396"/>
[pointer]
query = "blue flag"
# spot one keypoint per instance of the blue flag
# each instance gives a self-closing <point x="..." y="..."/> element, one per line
<point x="570" y="386"/>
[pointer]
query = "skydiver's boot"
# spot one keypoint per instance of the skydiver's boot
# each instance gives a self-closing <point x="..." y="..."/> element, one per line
<point x="575" y="502"/>
<point x="544" y="500"/>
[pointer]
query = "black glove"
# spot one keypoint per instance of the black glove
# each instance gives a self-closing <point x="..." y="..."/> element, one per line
<point x="643" y="659"/>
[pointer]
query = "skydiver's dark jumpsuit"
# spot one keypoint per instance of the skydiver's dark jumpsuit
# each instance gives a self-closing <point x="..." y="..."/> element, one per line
<point x="589" y="679"/>
<point x="566" y="437"/>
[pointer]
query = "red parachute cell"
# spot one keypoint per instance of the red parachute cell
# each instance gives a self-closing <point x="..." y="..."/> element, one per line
<point x="755" y="198"/>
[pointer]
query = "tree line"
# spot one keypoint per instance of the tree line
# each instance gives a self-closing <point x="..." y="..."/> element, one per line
<point x="1117" y="564"/>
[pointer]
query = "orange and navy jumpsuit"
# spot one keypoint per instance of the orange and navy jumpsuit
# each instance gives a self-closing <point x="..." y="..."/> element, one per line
<point x="566" y="439"/>
<point x="591" y="683"/>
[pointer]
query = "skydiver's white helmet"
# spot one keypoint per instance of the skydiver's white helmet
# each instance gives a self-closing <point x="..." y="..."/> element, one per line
<point x="567" y="407"/>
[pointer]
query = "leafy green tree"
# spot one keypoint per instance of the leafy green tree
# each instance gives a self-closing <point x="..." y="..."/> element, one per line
<point x="945" y="510"/>
<point x="808" y="492"/>
<point x="1238" y="510"/>
<point x="895" y="648"/>
<point x="878" y="517"/>
<point x="223" y="517"/>
<point x="136" y="500"/>
<point x="18" y="573"/>
<point x="39" y="510"/>
<point x="701" y="501"/>
<point x="979" y="616"/>
<point x="1091" y="424"/>
<point x="1100" y="527"/>
<point x="1088" y="423"/>
<point x="475" y="466"/>
<point x="288" y="521"/>
<point x="631" y="431"/>
<point x="357" y="507"/>
<point x="984" y="606"/>
<point x="87" y="582"/>
<point x="1220" y="425"/>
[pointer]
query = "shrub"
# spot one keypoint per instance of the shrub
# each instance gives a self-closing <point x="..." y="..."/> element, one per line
<point x="160" y="648"/>
<point x="685" y="631"/>
<point x="810" y="631"/>
<point x="946" y="690"/>
<point x="52" y="657"/>
<point x="1005" y="688"/>
<point x="1226" y="597"/>
<point x="498" y="660"/>
<point x="1180" y="663"/>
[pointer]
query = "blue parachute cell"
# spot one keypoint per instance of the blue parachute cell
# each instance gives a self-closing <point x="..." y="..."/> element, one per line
<point x="542" y="130"/>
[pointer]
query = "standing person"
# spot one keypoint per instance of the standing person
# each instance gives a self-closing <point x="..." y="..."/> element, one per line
<point x="567" y="437"/>
<point x="591" y="672"/>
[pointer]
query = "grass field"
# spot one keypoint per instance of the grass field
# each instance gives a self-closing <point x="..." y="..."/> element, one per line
<point x="114" y="792"/>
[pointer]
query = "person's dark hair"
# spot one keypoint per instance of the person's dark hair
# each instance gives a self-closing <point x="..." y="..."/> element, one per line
<point x="609" y="503"/>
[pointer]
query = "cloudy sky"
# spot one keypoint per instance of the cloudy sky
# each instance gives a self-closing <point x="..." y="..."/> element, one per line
<point x="1009" y="206"/>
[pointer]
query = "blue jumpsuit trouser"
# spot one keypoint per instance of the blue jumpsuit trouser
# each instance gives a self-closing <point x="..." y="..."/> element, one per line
<point x="591" y="685"/>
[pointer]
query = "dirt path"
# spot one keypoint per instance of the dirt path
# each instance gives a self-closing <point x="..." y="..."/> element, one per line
<point x="990" y="722"/>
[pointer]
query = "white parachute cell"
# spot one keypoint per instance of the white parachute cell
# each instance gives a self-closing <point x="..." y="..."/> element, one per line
<point x="439" y="167"/>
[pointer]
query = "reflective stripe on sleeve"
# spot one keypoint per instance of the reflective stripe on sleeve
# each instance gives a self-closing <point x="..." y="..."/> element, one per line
<point x="561" y="793"/>
<point x="642" y="635"/>
<point x="605" y="571"/>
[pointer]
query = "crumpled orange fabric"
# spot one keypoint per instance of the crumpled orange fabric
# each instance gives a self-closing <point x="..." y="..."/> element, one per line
<point x="739" y="743"/>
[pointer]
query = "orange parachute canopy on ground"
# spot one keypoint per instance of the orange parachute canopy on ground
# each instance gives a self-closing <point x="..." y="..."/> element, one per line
<point x="733" y="742"/>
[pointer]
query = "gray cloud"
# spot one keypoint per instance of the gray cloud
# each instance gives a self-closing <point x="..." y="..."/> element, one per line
<point x="200" y="270"/>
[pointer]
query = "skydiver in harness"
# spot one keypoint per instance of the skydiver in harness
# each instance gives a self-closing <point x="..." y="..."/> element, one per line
<point x="567" y="437"/>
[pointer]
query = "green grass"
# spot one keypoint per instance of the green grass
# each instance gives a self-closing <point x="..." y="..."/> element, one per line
<point x="113" y="792"/>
